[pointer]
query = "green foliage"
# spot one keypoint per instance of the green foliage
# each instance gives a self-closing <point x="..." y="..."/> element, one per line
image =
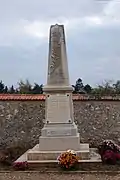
<point x="2" y="86"/>
<point x="27" y="88"/>
<point x="79" y="86"/>
<point x="11" y="90"/>
<point x="6" y="89"/>
<point x="116" y="87"/>
<point x="105" y="88"/>
<point x="87" y="88"/>
<point x="24" y="87"/>
<point x="37" y="89"/>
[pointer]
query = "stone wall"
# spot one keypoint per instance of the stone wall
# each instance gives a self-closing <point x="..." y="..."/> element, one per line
<point x="21" y="121"/>
<point x="98" y="120"/>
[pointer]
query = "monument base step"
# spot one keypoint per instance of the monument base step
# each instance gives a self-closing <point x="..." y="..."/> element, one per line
<point x="36" y="154"/>
<point x="93" y="163"/>
<point x="62" y="143"/>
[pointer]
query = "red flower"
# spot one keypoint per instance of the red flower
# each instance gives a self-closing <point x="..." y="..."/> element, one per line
<point x="109" y="157"/>
<point x="20" y="165"/>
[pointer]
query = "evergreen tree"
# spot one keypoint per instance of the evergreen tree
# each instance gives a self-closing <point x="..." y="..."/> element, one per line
<point x="6" y="89"/>
<point x="117" y="87"/>
<point x="88" y="88"/>
<point x="12" y="90"/>
<point x="79" y="87"/>
<point x="25" y="87"/>
<point x="1" y="87"/>
<point x="37" y="89"/>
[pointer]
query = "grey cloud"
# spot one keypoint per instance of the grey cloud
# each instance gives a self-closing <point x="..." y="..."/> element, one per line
<point x="36" y="9"/>
<point x="18" y="63"/>
<point x="94" y="54"/>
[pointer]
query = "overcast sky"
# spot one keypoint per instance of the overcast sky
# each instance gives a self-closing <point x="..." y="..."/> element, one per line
<point x="92" y="30"/>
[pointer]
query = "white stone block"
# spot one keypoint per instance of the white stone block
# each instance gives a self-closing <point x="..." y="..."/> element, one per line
<point x="59" y="143"/>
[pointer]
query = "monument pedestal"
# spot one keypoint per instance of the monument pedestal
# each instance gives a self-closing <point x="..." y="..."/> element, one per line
<point x="59" y="133"/>
<point x="57" y="138"/>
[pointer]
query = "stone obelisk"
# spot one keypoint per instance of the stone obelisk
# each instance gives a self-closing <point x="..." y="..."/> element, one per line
<point x="59" y="132"/>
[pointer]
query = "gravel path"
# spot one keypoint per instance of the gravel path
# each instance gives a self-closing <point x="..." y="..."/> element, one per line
<point x="56" y="176"/>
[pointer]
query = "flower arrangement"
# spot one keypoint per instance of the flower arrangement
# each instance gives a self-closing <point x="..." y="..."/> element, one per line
<point x="109" y="151"/>
<point x="20" y="165"/>
<point x="68" y="160"/>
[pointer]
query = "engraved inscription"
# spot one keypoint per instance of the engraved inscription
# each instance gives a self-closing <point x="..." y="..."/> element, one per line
<point x="57" y="56"/>
<point x="58" y="108"/>
<point x="55" y="48"/>
<point x="58" y="132"/>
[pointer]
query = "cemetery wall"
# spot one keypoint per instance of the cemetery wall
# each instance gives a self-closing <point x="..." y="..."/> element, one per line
<point x="21" y="121"/>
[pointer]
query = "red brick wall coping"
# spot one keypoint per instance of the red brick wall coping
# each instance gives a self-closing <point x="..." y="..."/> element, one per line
<point x="41" y="97"/>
